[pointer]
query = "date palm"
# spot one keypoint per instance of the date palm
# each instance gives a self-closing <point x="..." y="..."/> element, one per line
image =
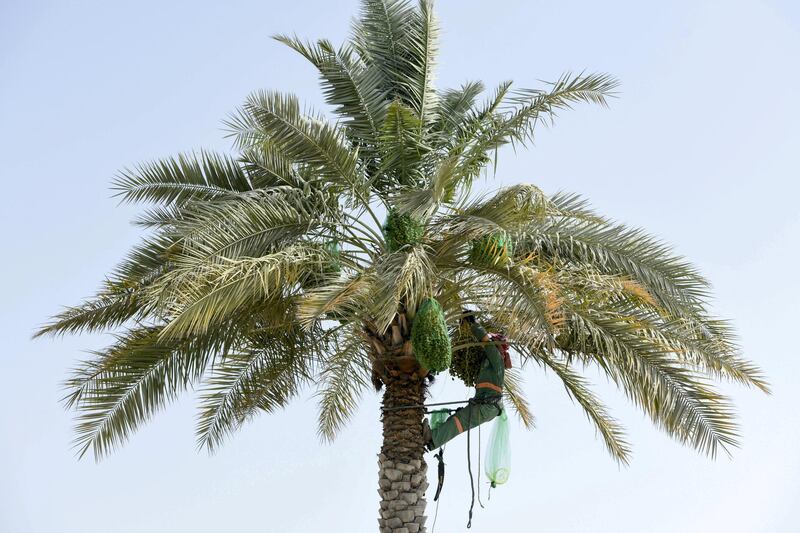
<point x="271" y="272"/>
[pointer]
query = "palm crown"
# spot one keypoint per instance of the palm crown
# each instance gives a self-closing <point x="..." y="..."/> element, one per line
<point x="274" y="270"/>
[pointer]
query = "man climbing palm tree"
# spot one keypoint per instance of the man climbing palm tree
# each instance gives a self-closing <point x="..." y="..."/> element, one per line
<point x="486" y="404"/>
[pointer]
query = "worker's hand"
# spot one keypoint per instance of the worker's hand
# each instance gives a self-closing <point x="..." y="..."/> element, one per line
<point x="502" y="344"/>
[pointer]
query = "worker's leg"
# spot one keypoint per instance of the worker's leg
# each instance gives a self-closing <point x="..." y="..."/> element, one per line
<point x="462" y="420"/>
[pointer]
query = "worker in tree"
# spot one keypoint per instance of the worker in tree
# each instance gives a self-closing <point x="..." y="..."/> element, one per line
<point x="485" y="405"/>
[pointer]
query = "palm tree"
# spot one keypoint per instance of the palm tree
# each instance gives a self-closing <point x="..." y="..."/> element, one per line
<point x="273" y="271"/>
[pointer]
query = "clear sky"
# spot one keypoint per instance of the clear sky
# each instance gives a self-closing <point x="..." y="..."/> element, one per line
<point x="701" y="148"/>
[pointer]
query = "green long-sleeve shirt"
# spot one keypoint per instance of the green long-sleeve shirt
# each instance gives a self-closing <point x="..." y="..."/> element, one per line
<point x="492" y="368"/>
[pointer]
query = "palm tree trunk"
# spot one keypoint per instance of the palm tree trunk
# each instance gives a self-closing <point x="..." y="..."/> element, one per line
<point x="402" y="469"/>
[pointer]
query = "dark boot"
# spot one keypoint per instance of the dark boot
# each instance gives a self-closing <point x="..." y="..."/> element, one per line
<point x="427" y="436"/>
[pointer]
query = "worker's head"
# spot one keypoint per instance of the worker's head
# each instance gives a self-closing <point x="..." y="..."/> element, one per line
<point x="468" y="316"/>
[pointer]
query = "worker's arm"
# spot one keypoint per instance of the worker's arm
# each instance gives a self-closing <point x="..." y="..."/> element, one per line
<point x="479" y="332"/>
<point x="492" y="353"/>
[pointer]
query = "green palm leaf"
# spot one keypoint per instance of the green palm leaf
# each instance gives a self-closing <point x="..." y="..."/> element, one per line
<point x="262" y="379"/>
<point x="345" y="377"/>
<point x="350" y="86"/>
<point x="183" y="178"/>
<point x="576" y="386"/>
<point x="127" y="383"/>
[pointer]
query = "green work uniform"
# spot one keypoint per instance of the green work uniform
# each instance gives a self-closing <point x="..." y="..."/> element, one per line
<point x="486" y="402"/>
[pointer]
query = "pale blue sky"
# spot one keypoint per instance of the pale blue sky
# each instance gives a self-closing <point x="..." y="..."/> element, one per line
<point x="701" y="148"/>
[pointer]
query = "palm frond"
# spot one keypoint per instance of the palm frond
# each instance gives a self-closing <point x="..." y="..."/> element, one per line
<point x="127" y="383"/>
<point x="105" y="311"/>
<point x="378" y="35"/>
<point x="122" y="297"/>
<point x="267" y="167"/>
<point x="513" y="392"/>
<point x="345" y="376"/>
<point x="146" y="261"/>
<point x="441" y="187"/>
<point x="353" y="88"/>
<point x="248" y="225"/>
<point x="178" y="179"/>
<point x="422" y="43"/>
<point x="349" y="298"/>
<point x="521" y="298"/>
<point x="262" y="378"/>
<point x="404" y="279"/>
<point x="712" y="346"/>
<point x="198" y="298"/>
<point x="495" y="126"/>
<point x="531" y="106"/>
<point x="401" y="148"/>
<point x="616" y="249"/>
<point x="454" y="106"/>
<point x="677" y="400"/>
<point x="276" y="119"/>
<point x="159" y="217"/>
<point x="577" y="388"/>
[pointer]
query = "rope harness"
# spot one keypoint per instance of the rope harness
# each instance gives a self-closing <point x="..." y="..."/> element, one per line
<point x="423" y="406"/>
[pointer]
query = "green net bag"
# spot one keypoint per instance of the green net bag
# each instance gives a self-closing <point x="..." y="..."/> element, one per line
<point x="439" y="417"/>
<point x="498" y="453"/>
<point x="400" y="229"/>
<point x="429" y="337"/>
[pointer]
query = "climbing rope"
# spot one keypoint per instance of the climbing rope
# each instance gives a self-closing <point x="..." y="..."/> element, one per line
<point x="435" y="517"/>
<point x="469" y="469"/>
<point x="488" y="400"/>
<point x="423" y="406"/>
<point x="479" y="469"/>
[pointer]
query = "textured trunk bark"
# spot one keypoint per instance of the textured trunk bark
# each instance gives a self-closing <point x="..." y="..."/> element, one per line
<point x="402" y="469"/>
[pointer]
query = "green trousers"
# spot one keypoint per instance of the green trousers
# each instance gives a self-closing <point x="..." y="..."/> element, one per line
<point x="464" y="419"/>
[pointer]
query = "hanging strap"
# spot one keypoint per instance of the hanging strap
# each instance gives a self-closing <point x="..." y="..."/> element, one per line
<point x="479" y="469"/>
<point x="440" y="472"/>
<point x="489" y="385"/>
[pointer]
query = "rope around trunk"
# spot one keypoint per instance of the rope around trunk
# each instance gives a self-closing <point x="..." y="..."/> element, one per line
<point x="422" y="405"/>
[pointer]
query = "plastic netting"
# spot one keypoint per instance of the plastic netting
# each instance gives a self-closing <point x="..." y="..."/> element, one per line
<point x="438" y="417"/>
<point x="498" y="453"/>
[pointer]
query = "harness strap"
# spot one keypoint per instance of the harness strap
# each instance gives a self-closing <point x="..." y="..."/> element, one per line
<point x="489" y="385"/>
<point x="469" y="469"/>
